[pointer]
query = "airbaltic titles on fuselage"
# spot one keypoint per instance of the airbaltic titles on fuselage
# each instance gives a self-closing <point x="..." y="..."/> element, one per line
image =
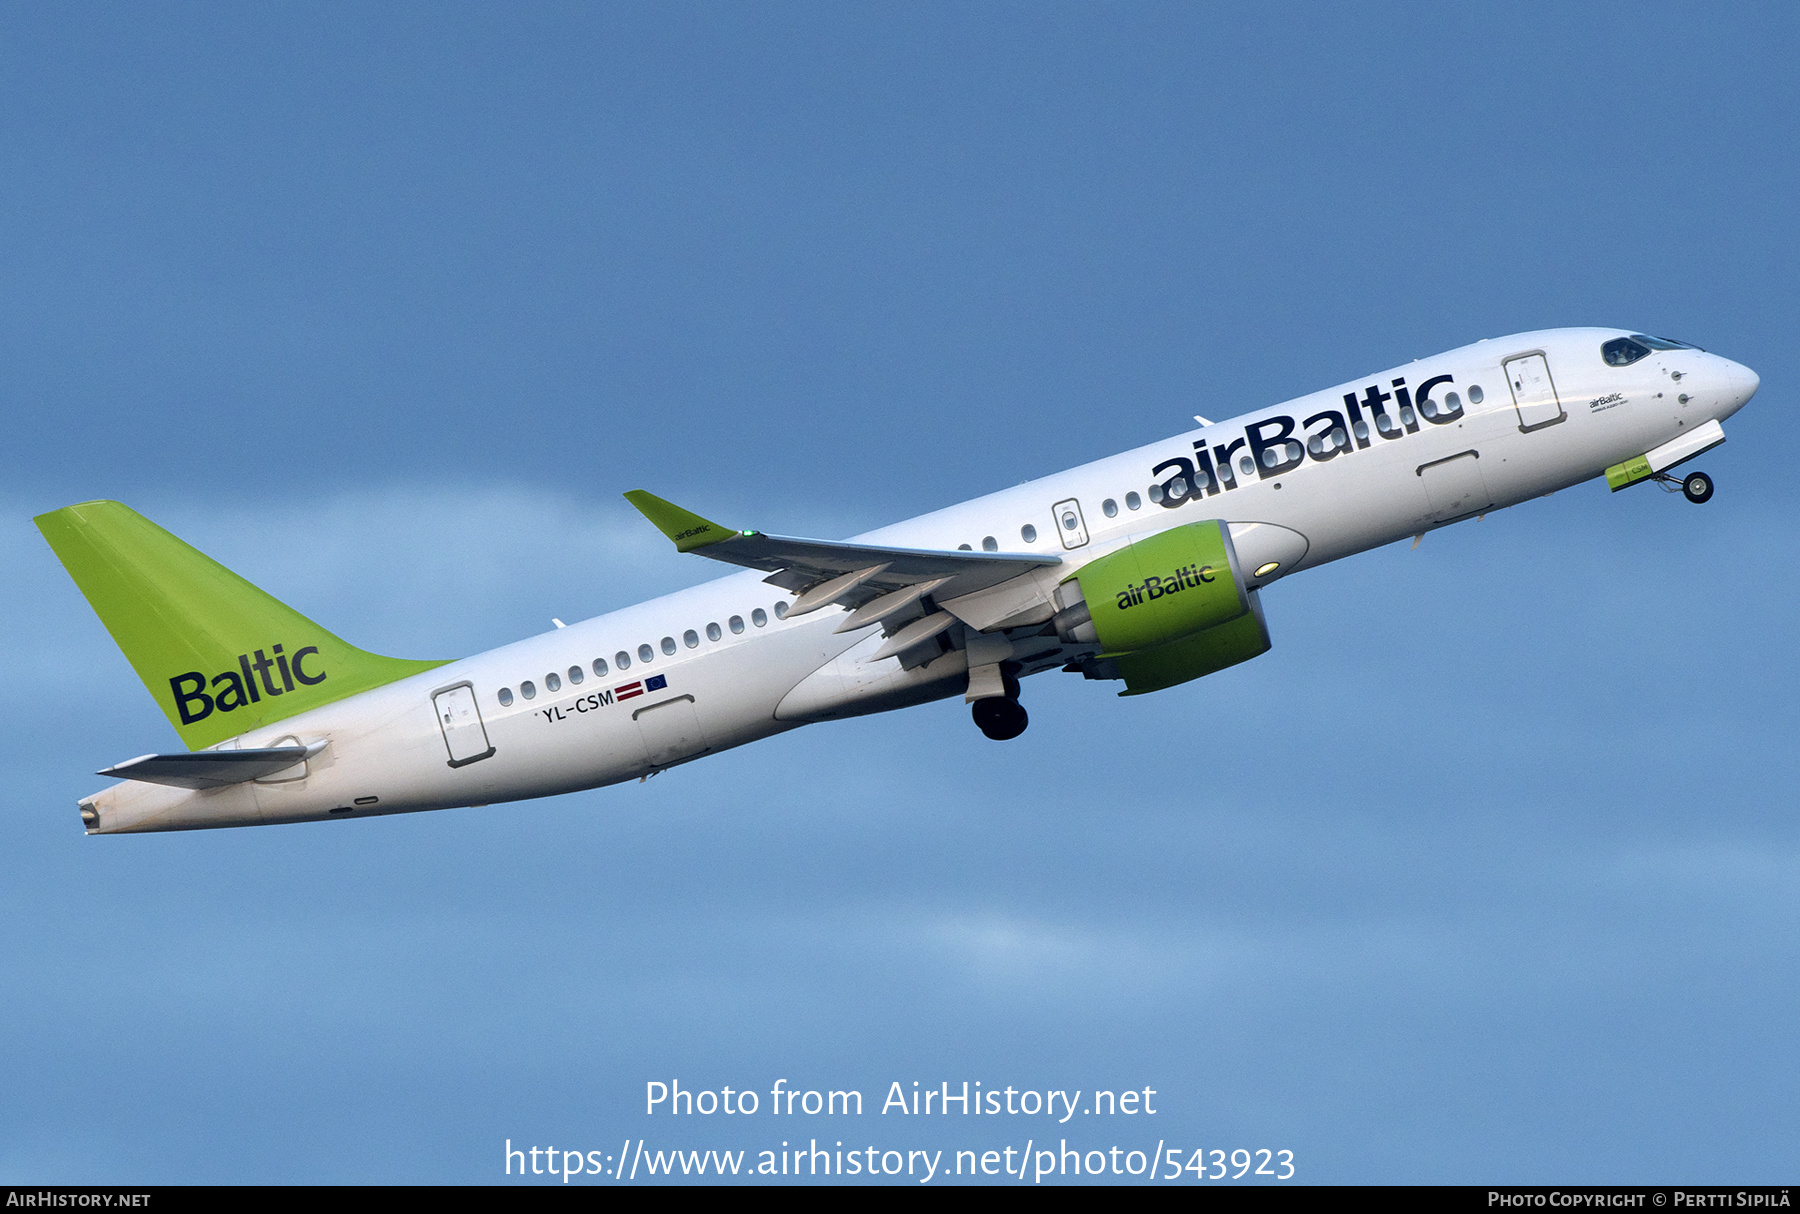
<point x="1271" y="446"/>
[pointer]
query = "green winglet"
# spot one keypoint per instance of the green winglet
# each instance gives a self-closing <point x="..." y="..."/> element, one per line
<point x="688" y="530"/>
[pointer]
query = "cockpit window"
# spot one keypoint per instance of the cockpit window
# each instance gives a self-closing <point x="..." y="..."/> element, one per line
<point x="1623" y="351"/>
<point x="1661" y="343"/>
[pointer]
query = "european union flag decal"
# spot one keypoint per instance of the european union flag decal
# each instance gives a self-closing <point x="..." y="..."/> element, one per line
<point x="655" y="682"/>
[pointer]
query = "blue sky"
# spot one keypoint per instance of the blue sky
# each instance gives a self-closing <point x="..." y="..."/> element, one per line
<point x="1486" y="872"/>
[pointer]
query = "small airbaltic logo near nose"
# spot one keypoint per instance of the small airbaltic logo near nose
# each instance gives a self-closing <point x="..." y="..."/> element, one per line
<point x="235" y="689"/>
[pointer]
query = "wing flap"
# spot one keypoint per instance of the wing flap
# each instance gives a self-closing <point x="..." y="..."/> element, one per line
<point x="825" y="593"/>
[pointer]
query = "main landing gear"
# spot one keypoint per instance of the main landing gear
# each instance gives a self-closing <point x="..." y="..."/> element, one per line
<point x="1000" y="717"/>
<point x="1697" y="487"/>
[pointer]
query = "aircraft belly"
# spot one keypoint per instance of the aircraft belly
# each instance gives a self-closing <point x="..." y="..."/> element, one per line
<point x="852" y="686"/>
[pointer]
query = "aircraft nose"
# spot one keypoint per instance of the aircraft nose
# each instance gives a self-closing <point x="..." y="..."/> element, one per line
<point x="1742" y="384"/>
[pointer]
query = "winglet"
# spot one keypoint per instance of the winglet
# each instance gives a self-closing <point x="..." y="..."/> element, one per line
<point x="688" y="530"/>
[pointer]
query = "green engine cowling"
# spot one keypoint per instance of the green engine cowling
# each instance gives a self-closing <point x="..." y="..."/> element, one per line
<point x="1167" y="609"/>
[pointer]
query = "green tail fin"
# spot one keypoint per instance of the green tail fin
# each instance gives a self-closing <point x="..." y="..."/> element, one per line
<point x="219" y="656"/>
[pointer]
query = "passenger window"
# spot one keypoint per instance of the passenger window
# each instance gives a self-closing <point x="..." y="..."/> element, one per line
<point x="622" y="660"/>
<point x="552" y="683"/>
<point x="506" y="697"/>
<point x="712" y="632"/>
<point x="646" y="654"/>
<point x="781" y="610"/>
<point x="528" y="690"/>
<point x="1156" y="493"/>
<point x="964" y="548"/>
<point x="691" y="639"/>
<point x="1247" y="466"/>
<point x="1109" y="508"/>
<point x="737" y="623"/>
<point x="575" y="675"/>
<point x="599" y="668"/>
<point x="668" y="645"/>
<point x="989" y="544"/>
<point x="1201" y="479"/>
<point x="1474" y="394"/>
<point x="1133" y="501"/>
<point x="759" y="617"/>
<point x="1028" y="533"/>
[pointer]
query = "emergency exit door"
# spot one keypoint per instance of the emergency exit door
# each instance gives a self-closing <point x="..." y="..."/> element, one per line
<point x="1069" y="523"/>
<point x="1534" y="392"/>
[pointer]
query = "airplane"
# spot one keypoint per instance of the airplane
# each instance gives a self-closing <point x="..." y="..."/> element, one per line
<point x="1144" y="569"/>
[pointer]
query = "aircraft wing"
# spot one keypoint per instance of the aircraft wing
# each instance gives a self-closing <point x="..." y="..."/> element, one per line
<point x="211" y="768"/>
<point x="823" y="572"/>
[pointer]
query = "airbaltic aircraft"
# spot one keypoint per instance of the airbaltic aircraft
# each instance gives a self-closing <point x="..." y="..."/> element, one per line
<point x="1146" y="568"/>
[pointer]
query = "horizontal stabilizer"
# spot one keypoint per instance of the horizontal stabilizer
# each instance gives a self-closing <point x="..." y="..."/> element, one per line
<point x="212" y="768"/>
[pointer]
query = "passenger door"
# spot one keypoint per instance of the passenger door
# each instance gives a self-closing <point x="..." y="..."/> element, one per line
<point x="460" y="718"/>
<point x="1534" y="392"/>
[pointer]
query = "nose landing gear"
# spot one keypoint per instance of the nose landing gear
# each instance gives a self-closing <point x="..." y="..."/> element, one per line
<point x="1697" y="487"/>
<point x="1000" y="717"/>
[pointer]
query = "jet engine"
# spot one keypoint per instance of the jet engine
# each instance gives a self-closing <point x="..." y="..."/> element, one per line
<point x="1164" y="610"/>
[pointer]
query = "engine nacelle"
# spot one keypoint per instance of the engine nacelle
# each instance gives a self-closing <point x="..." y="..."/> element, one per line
<point x="1165" y="609"/>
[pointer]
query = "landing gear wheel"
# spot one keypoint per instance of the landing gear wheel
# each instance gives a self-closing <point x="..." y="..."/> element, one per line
<point x="1000" y="718"/>
<point x="1697" y="486"/>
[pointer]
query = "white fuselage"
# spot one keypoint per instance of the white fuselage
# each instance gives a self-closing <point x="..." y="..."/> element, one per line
<point x="386" y="752"/>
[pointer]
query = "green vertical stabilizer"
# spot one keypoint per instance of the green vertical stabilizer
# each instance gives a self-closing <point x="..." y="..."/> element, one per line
<point x="219" y="656"/>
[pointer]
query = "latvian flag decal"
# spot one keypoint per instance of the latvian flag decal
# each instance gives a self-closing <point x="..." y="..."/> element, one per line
<point x="655" y="682"/>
